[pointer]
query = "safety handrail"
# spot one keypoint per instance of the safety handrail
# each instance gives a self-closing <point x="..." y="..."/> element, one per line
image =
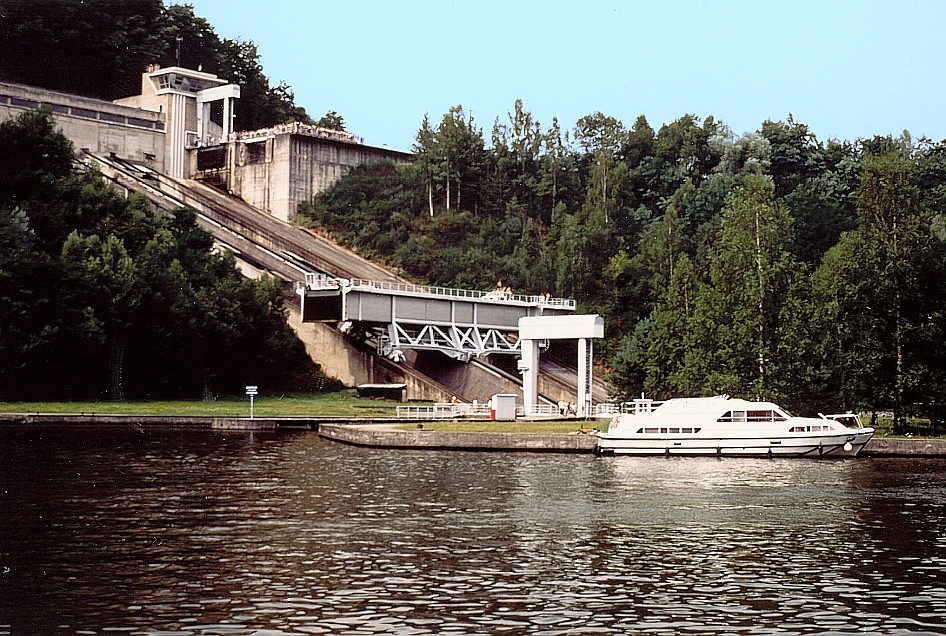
<point x="316" y="281"/>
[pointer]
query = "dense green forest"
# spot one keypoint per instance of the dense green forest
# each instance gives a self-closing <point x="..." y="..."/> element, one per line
<point x="100" y="48"/>
<point x="771" y="264"/>
<point x="100" y="297"/>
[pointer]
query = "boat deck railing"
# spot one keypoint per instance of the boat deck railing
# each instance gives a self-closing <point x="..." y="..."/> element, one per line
<point x="639" y="406"/>
<point x="316" y="281"/>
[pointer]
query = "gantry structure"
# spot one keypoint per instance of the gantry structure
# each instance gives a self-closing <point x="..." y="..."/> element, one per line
<point x="459" y="323"/>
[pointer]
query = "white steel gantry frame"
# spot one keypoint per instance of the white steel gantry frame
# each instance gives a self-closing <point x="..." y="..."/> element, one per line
<point x="535" y="329"/>
<point x="460" y="323"/>
<point x="461" y="342"/>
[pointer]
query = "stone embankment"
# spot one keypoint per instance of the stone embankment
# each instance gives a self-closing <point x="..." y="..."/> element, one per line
<point x="392" y="436"/>
<point x="904" y="447"/>
<point x="222" y="423"/>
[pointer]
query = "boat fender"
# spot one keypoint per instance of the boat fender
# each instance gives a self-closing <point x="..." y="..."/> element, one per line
<point x="719" y="450"/>
<point x="848" y="447"/>
<point x="666" y="452"/>
<point x="820" y="449"/>
<point x="769" y="454"/>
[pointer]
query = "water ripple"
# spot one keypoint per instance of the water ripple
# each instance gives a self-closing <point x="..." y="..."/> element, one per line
<point x="144" y="531"/>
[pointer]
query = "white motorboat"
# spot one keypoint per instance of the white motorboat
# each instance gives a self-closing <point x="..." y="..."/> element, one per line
<point x="729" y="427"/>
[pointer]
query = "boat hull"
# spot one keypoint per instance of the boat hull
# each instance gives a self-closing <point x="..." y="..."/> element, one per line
<point x="839" y="445"/>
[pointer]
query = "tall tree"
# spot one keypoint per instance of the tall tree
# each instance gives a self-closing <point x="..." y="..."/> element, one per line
<point x="742" y="321"/>
<point x="796" y="154"/>
<point x="425" y="153"/>
<point x="883" y="288"/>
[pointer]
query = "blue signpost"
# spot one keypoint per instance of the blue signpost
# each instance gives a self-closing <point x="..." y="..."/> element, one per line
<point x="251" y="392"/>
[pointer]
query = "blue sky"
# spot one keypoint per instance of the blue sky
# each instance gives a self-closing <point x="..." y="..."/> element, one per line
<point x="846" y="69"/>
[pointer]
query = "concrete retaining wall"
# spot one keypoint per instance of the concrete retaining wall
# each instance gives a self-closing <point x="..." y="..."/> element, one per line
<point x="290" y="168"/>
<point x="904" y="447"/>
<point x="221" y="423"/>
<point x="103" y="127"/>
<point x="388" y="436"/>
<point x="338" y="358"/>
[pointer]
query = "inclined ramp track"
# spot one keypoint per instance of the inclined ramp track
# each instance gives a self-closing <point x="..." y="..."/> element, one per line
<point x="289" y="251"/>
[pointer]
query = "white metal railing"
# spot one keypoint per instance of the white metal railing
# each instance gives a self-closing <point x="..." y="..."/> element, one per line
<point x="606" y="409"/>
<point x="448" y="411"/>
<point x="316" y="281"/>
<point x="435" y="412"/>
<point x="545" y="409"/>
<point x="634" y="407"/>
<point x="297" y="128"/>
<point x="321" y="281"/>
<point x="638" y="406"/>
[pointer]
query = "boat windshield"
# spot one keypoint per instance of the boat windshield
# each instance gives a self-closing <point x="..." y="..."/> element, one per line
<point x="849" y="420"/>
<point x="766" y="415"/>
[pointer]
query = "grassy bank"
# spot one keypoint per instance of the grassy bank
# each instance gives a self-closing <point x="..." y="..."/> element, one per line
<point x="915" y="427"/>
<point x="345" y="403"/>
<point x="560" y="426"/>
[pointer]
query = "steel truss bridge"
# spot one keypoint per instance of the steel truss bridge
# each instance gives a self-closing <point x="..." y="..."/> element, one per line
<point x="460" y="323"/>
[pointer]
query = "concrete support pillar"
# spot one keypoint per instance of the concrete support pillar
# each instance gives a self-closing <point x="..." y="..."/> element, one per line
<point x="583" y="403"/>
<point x="530" y="370"/>
<point x="203" y="118"/>
<point x="175" y="148"/>
<point x="227" y="121"/>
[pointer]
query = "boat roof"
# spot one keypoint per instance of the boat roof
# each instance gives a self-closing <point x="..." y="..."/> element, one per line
<point x="716" y="404"/>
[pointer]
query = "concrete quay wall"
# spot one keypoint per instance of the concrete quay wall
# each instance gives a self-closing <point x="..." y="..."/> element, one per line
<point x="387" y="436"/>
<point x="219" y="423"/>
<point x="904" y="447"/>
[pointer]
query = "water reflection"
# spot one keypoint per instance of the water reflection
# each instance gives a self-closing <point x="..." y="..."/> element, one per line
<point x="135" y="530"/>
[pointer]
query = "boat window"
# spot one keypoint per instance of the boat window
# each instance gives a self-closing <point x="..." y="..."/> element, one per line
<point x="752" y="416"/>
<point x="798" y="429"/>
<point x="765" y="416"/>
<point x="669" y="430"/>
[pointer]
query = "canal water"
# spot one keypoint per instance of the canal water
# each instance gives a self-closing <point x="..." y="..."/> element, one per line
<point x="132" y="530"/>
